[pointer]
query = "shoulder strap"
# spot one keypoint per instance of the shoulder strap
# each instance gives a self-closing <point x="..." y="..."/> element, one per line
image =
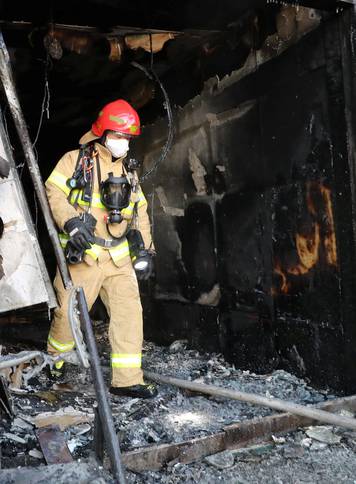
<point x="98" y="170"/>
<point x="80" y="156"/>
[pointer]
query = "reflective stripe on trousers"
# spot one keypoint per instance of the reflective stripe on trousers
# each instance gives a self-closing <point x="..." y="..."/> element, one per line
<point x="122" y="360"/>
<point x="61" y="347"/>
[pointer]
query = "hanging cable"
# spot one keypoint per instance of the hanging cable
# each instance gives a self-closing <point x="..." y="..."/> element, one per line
<point x="44" y="108"/>
<point x="45" y="102"/>
<point x="150" y="73"/>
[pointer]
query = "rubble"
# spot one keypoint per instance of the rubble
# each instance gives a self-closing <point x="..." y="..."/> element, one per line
<point x="178" y="345"/>
<point x="81" y="472"/>
<point x="323" y="434"/>
<point x="14" y="437"/>
<point x="222" y="460"/>
<point x="176" y="416"/>
<point x="63" y="418"/>
<point x="36" y="454"/>
<point x="22" y="424"/>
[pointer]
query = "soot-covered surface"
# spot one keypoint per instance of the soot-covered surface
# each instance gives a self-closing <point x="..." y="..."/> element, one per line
<point x="253" y="212"/>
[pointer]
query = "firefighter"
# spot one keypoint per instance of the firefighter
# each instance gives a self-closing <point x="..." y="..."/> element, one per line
<point x="97" y="204"/>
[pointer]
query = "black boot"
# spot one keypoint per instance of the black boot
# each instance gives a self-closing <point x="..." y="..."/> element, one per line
<point x="57" y="372"/>
<point x="135" y="391"/>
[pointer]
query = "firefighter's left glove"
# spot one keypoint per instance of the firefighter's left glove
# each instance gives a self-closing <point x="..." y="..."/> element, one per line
<point x="81" y="231"/>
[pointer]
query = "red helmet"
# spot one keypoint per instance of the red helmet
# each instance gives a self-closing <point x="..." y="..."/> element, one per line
<point x="117" y="116"/>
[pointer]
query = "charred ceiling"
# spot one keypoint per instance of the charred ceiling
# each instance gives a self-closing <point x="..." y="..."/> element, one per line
<point x="86" y="52"/>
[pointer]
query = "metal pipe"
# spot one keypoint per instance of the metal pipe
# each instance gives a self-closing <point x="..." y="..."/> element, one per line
<point x="112" y="441"/>
<point x="274" y="403"/>
<point x="21" y="127"/>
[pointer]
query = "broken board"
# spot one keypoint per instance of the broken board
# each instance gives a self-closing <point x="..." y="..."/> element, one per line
<point x="53" y="445"/>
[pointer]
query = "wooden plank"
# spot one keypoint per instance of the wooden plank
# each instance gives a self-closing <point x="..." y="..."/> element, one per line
<point x="233" y="436"/>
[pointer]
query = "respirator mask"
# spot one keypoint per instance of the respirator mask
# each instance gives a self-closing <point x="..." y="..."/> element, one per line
<point x="117" y="147"/>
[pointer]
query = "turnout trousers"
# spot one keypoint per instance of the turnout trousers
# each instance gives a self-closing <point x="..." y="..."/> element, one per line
<point x="118" y="289"/>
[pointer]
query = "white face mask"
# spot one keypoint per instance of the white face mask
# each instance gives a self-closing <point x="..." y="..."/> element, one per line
<point x="117" y="147"/>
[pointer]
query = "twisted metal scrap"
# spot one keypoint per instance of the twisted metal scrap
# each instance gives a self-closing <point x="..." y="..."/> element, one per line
<point x="42" y="359"/>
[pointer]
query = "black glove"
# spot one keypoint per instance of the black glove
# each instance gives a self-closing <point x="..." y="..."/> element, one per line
<point x="81" y="231"/>
<point x="148" y="271"/>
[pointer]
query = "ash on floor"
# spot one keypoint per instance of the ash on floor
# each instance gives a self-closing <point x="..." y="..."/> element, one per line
<point x="287" y="464"/>
<point x="175" y="416"/>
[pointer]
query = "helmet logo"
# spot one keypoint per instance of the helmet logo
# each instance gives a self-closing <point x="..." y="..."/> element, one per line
<point x="125" y="119"/>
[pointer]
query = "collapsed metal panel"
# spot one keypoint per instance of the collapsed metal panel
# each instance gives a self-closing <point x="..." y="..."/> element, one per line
<point x="24" y="280"/>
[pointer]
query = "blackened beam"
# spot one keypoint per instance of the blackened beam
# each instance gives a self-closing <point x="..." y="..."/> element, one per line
<point x="233" y="436"/>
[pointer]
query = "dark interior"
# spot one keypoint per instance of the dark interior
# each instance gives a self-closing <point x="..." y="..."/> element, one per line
<point x="256" y="262"/>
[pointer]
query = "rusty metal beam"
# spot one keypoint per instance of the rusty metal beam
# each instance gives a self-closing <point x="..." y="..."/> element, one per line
<point x="233" y="436"/>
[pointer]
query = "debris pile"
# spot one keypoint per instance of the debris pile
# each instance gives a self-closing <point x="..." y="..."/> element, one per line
<point x="175" y="416"/>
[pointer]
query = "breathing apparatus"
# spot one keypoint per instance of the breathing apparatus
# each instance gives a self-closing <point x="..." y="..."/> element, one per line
<point x="115" y="193"/>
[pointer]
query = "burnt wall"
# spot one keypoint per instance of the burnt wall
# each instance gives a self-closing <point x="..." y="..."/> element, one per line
<point x="253" y="216"/>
